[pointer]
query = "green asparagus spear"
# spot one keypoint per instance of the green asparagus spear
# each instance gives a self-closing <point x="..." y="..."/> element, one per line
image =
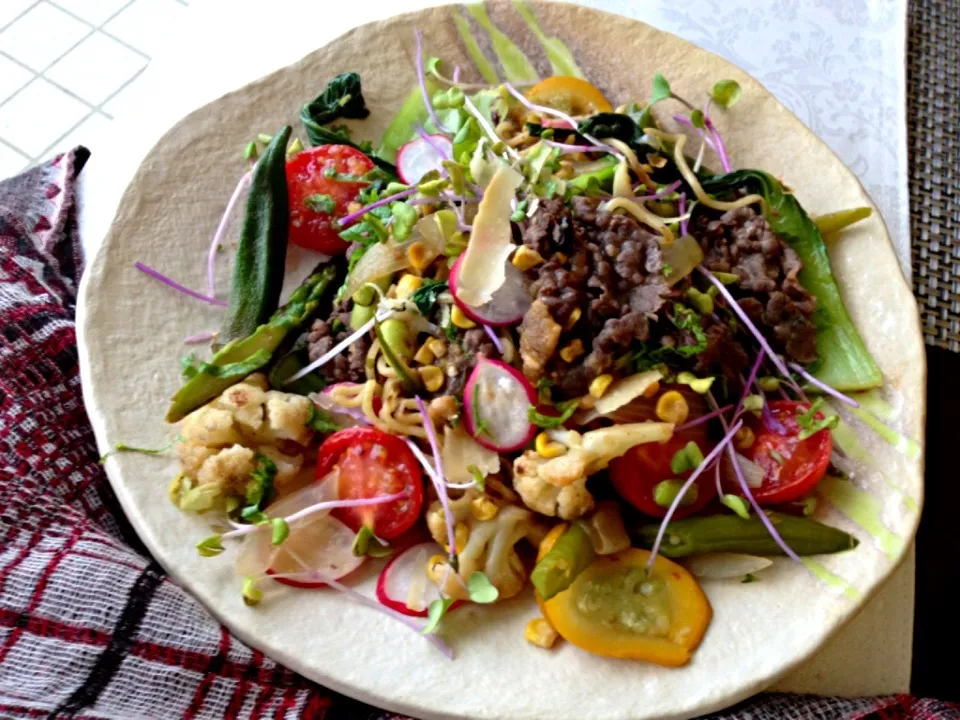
<point x="249" y="354"/>
<point x="570" y="555"/>
<point x="730" y="533"/>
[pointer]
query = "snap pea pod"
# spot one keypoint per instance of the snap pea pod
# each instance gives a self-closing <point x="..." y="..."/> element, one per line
<point x="570" y="555"/>
<point x="257" y="350"/>
<point x="730" y="533"/>
<point x="261" y="253"/>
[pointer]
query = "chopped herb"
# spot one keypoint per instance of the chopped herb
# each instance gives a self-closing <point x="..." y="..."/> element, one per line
<point x="481" y="590"/>
<point x="450" y="330"/>
<point x="320" y="420"/>
<point x="366" y="543"/>
<point x="667" y="269"/>
<point x="435" y="613"/>
<point x="549" y="422"/>
<point x="777" y="457"/>
<point x="259" y="487"/>
<point x="320" y="203"/>
<point x="121" y="447"/>
<point x="748" y="578"/>
<point x="811" y="425"/>
<point x="280" y="530"/>
<point x="544" y="385"/>
<point x="478" y="477"/>
<point x="481" y="425"/>
<point x="211" y="546"/>
<point x="425" y="297"/>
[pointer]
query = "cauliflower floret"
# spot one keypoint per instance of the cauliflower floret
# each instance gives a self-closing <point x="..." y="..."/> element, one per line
<point x="569" y="501"/>
<point x="245" y="402"/>
<point x="210" y="426"/>
<point x="558" y="486"/>
<point x="192" y="457"/>
<point x="229" y="469"/>
<point x="490" y="546"/>
<point x="287" y="465"/>
<point x="286" y="418"/>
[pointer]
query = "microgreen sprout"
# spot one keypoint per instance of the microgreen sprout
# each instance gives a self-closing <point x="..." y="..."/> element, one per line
<point x="481" y="590"/>
<point x="252" y="595"/>
<point x="281" y="530"/>
<point x="367" y="543"/>
<point x="737" y="504"/>
<point x="122" y="447"/>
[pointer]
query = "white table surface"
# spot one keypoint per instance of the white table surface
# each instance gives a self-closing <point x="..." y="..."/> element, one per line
<point x="838" y="66"/>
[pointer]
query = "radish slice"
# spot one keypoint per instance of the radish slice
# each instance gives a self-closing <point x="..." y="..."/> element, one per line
<point x="421" y="155"/>
<point x="320" y="540"/>
<point x="502" y="396"/>
<point x="403" y="584"/>
<point x="508" y="305"/>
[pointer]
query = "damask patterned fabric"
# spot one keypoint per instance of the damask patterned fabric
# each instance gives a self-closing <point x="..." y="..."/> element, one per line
<point x="90" y="625"/>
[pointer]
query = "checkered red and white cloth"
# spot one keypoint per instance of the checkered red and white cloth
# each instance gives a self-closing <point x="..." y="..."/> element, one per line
<point x="90" y="625"/>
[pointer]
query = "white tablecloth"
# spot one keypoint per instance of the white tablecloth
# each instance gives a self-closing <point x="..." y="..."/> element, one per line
<point x="838" y="65"/>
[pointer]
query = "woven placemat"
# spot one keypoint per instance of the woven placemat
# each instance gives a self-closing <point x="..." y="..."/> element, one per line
<point x="933" y="141"/>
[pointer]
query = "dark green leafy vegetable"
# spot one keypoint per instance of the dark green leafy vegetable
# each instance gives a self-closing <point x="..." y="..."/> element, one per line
<point x="730" y="533"/>
<point x="342" y="98"/>
<point x="425" y="297"/>
<point x="262" y="250"/>
<point x="213" y="378"/>
<point x="847" y="365"/>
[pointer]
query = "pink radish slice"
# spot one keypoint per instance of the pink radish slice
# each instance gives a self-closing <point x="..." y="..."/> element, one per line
<point x="502" y="396"/>
<point x="403" y="584"/>
<point x="421" y="155"/>
<point x="507" y="306"/>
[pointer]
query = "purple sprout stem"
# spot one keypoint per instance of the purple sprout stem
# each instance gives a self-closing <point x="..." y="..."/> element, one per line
<point x="749" y="383"/>
<point x="823" y="386"/>
<point x="222" y="229"/>
<point x="439" y="481"/>
<point x="684" y="120"/>
<point x="157" y="275"/>
<point x="661" y="192"/>
<point x="199" y="338"/>
<point x="682" y="207"/>
<point x="703" y="418"/>
<point x="494" y="338"/>
<point x="344" y="221"/>
<point x="725" y="442"/>
<point x="421" y="78"/>
<point x="720" y="148"/>
<point x="456" y="73"/>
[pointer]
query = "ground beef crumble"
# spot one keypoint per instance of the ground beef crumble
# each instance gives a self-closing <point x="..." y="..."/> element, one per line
<point x="348" y="366"/>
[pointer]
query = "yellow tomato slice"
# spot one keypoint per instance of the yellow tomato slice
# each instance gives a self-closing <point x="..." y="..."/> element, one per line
<point x="569" y="94"/>
<point x="614" y="608"/>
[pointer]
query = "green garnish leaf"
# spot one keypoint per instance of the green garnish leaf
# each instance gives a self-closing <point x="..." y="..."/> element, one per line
<point x="425" y="297"/>
<point x="366" y="543"/>
<point x="211" y="546"/>
<point x="548" y="422"/>
<point x="188" y="365"/>
<point x="320" y="203"/>
<point x="259" y="487"/>
<point x="280" y="530"/>
<point x="250" y="151"/>
<point x="252" y="595"/>
<point x="121" y="447"/>
<point x="481" y="590"/>
<point x="726" y="93"/>
<point x="438" y="608"/>
<point x="481" y="425"/>
<point x="806" y="418"/>
<point x="661" y="89"/>
<point x="809" y="423"/>
<point x="478" y="477"/>
<point x="737" y="504"/>
<point x="696" y="117"/>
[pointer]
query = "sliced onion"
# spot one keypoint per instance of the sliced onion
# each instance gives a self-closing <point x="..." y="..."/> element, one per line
<point x="342" y="416"/>
<point x="421" y="155"/>
<point x="509" y="303"/>
<point x="403" y="584"/>
<point x="682" y="256"/>
<point x="502" y="396"/>
<point x="752" y="473"/>
<point x="623" y="391"/>
<point x="726" y="566"/>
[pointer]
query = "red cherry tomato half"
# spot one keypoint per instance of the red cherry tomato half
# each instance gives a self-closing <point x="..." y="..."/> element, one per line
<point x="637" y="473"/>
<point x="372" y="463"/>
<point x="793" y="466"/>
<point x="316" y="229"/>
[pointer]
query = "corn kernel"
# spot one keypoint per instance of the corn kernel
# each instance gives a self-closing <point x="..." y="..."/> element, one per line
<point x="435" y="566"/>
<point x="418" y="255"/>
<point x="572" y="351"/>
<point x="437" y="346"/>
<point x="483" y="508"/>
<point x="672" y="408"/>
<point x="408" y="285"/>
<point x="525" y="258"/>
<point x="461" y="533"/>
<point x="460" y="320"/>
<point x="538" y="632"/>
<point x="575" y="316"/>
<point x="743" y="438"/>
<point x="652" y="390"/>
<point x="432" y="377"/>
<point x="424" y="355"/>
<point x="600" y="384"/>
<point x="353" y="207"/>
<point x="546" y="448"/>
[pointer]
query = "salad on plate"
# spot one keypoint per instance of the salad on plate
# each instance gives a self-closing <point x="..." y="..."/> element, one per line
<point x="548" y="342"/>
